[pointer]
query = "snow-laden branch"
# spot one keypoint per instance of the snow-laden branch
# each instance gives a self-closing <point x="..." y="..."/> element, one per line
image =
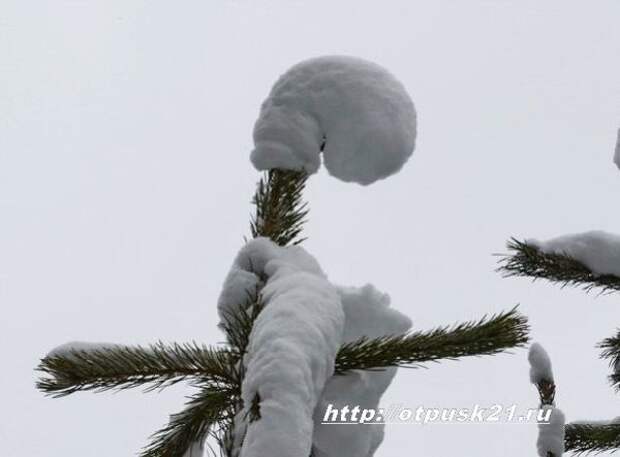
<point x="85" y="366"/>
<point x="291" y="350"/>
<point x="590" y="259"/>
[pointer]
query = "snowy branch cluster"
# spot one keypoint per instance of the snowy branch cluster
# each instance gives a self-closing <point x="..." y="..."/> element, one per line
<point x="289" y="363"/>
<point x="591" y="259"/>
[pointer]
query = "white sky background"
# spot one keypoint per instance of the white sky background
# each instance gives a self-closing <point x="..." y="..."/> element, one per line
<point x="125" y="130"/>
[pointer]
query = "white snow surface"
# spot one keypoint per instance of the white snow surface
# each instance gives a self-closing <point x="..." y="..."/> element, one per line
<point x="540" y="364"/>
<point x="292" y="348"/>
<point x="239" y="286"/>
<point x="364" y="114"/>
<point x="598" y="250"/>
<point x="551" y="435"/>
<point x="367" y="313"/>
<point x="74" y="346"/>
<point x="292" y="351"/>
<point x="617" y="154"/>
<point x="244" y="277"/>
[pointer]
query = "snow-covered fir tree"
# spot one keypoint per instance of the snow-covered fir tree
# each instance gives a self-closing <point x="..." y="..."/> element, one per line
<point x="295" y="340"/>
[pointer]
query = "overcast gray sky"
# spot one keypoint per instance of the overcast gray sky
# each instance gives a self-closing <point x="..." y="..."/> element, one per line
<point x="125" y="129"/>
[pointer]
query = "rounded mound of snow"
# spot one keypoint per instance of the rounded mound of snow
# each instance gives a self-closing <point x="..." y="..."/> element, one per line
<point x="367" y="313"/>
<point x="354" y="111"/>
<point x="540" y="364"/>
<point x="551" y="434"/>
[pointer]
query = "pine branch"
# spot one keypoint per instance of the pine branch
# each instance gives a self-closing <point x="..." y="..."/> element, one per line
<point x="122" y="367"/>
<point x="207" y="413"/>
<point x="237" y="324"/>
<point x="487" y="336"/>
<point x="611" y="351"/>
<point x="528" y="260"/>
<point x="587" y="438"/>
<point x="280" y="210"/>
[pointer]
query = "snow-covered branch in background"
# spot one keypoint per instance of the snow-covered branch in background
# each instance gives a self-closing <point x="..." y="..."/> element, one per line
<point x="599" y="251"/>
<point x="556" y="437"/>
<point x="550" y="430"/>
<point x="353" y="111"/>
<point x="590" y="259"/>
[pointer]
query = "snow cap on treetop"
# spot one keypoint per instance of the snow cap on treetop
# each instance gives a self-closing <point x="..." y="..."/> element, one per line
<point x="354" y="111"/>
